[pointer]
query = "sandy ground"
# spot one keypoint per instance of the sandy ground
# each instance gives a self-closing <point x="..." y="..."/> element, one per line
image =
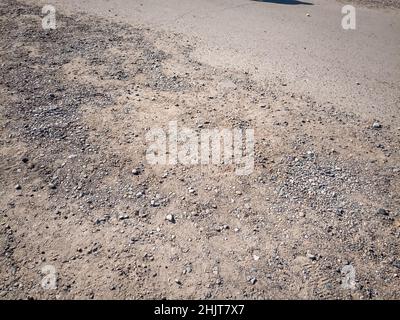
<point x="357" y="70"/>
<point x="80" y="204"/>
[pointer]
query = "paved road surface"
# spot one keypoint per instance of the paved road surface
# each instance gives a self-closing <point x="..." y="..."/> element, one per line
<point x="304" y="45"/>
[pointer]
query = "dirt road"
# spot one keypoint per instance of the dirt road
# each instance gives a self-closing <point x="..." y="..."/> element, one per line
<point x="356" y="69"/>
<point x="83" y="214"/>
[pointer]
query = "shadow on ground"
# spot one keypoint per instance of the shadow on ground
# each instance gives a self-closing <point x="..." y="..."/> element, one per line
<point x="286" y="2"/>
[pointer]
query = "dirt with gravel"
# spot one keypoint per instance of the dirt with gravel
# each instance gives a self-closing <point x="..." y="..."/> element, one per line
<point x="376" y="3"/>
<point x="79" y="196"/>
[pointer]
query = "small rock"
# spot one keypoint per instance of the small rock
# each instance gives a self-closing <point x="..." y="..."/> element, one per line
<point x="170" y="218"/>
<point x="52" y="185"/>
<point x="154" y="203"/>
<point x="139" y="194"/>
<point x="376" y="125"/>
<point x="340" y="211"/>
<point x="311" y="256"/>
<point x="136" y="171"/>
<point x="123" y="217"/>
<point x="252" y="280"/>
<point x="188" y="269"/>
<point x="18" y="187"/>
<point x="383" y="212"/>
